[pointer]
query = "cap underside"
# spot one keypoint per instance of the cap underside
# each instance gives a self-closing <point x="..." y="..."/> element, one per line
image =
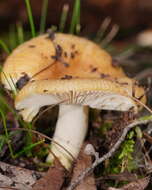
<point x="95" y="93"/>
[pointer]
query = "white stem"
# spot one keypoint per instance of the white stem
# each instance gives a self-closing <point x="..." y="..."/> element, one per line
<point x="70" y="132"/>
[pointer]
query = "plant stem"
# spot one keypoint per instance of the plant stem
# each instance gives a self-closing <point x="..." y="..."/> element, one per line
<point x="30" y="16"/>
<point x="63" y="19"/>
<point x="43" y="16"/>
<point x="4" y="46"/>
<point x="20" y="33"/>
<point x="75" y="22"/>
<point x="6" y="133"/>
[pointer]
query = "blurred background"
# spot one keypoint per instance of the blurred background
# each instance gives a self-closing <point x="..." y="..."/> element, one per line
<point x="130" y="15"/>
<point x="103" y="17"/>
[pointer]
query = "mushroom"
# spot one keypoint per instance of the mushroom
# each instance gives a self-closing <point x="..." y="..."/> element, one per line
<point x="74" y="73"/>
<point x="74" y="96"/>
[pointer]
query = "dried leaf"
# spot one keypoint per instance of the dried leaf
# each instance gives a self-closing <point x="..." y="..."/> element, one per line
<point x="83" y="162"/>
<point x="53" y="179"/>
<point x="140" y="184"/>
<point x="16" y="177"/>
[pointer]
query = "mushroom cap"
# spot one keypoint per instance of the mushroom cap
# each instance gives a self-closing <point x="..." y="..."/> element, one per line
<point x="57" y="56"/>
<point x="96" y="93"/>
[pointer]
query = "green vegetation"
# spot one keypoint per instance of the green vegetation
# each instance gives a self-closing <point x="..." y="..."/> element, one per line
<point x="123" y="159"/>
<point x="30" y="16"/>
<point x="43" y="16"/>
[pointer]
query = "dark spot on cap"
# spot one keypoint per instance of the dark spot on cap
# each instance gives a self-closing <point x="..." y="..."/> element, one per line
<point x="58" y="53"/>
<point x="67" y="77"/>
<point x="72" y="55"/>
<point x="76" y="52"/>
<point x="102" y="75"/>
<point x="32" y="46"/>
<point x="59" y="50"/>
<point x="54" y="57"/>
<point x="66" y="64"/>
<point x="45" y="90"/>
<point x="65" y="54"/>
<point x="94" y="69"/>
<point x="22" y="81"/>
<point x="51" y="35"/>
<point x="73" y="46"/>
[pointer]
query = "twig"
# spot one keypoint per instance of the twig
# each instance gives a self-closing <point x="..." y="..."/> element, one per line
<point x="110" y="153"/>
<point x="144" y="74"/>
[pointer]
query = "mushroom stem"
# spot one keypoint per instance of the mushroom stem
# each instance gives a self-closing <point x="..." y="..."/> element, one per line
<point x="70" y="132"/>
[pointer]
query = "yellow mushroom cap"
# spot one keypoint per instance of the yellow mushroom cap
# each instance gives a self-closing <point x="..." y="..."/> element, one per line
<point x="56" y="57"/>
<point x="104" y="94"/>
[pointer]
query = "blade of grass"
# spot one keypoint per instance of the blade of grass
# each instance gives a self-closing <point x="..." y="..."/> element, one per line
<point x="102" y="29"/>
<point x="30" y="17"/>
<point x="13" y="88"/>
<point x="75" y="22"/>
<point x="7" y="105"/>
<point x="29" y="135"/>
<point x="8" y="140"/>
<point x="12" y="37"/>
<point x="78" y="26"/>
<point x="43" y="16"/>
<point x="20" y="32"/>
<point x="2" y="141"/>
<point x="4" y="47"/>
<point x="28" y="148"/>
<point x="63" y="18"/>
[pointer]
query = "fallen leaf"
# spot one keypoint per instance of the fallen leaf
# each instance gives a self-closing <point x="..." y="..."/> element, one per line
<point x="84" y="161"/>
<point x="139" y="184"/>
<point x="53" y="179"/>
<point x="13" y="177"/>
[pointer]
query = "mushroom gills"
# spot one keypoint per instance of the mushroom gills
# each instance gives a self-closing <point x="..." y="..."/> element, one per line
<point x="98" y="100"/>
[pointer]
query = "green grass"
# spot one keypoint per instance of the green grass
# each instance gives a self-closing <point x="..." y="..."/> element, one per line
<point x="75" y="21"/>
<point x="4" y="47"/>
<point x="20" y="32"/>
<point x="43" y="16"/>
<point x="6" y="137"/>
<point x="30" y="16"/>
<point x="63" y="18"/>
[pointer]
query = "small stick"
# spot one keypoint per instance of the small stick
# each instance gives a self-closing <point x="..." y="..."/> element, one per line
<point x="110" y="153"/>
